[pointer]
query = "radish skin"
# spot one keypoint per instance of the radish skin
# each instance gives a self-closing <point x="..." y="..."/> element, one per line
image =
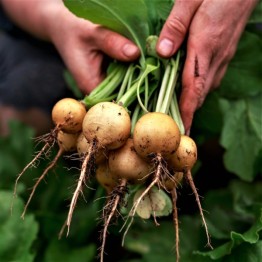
<point x="125" y="163"/>
<point x="156" y="133"/>
<point x="105" y="177"/>
<point x="185" y="156"/>
<point x="68" y="115"/>
<point x="107" y="123"/>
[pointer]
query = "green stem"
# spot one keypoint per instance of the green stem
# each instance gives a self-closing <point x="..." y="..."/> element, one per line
<point x="146" y="92"/>
<point x="115" y="67"/>
<point x="124" y="85"/>
<point x="106" y="88"/>
<point x="130" y="95"/>
<point x="171" y="85"/>
<point x="163" y="88"/>
<point x="175" y="114"/>
<point x="135" y="117"/>
<point x="89" y="102"/>
<point x="151" y="66"/>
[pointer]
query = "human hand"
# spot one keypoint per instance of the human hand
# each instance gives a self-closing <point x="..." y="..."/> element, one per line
<point x="213" y="28"/>
<point x="83" y="46"/>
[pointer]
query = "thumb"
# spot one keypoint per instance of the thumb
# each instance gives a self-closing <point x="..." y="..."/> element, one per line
<point x="115" y="45"/>
<point x="176" y="26"/>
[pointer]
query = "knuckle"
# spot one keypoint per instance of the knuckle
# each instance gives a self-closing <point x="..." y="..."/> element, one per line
<point x="109" y="39"/>
<point x="175" y="25"/>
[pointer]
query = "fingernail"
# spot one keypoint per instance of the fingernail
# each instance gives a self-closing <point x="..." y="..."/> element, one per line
<point x="130" y="50"/>
<point x="165" y="47"/>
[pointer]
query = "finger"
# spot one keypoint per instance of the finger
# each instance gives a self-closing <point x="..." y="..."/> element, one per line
<point x="86" y="70"/>
<point x="115" y="45"/>
<point x="176" y="26"/>
<point x="194" y="84"/>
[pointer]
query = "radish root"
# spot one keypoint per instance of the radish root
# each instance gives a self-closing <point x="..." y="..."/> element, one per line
<point x="86" y="169"/>
<point x="176" y="222"/>
<point x="49" y="140"/>
<point x="52" y="164"/>
<point x="159" y="170"/>
<point x="115" y="199"/>
<point x="189" y="178"/>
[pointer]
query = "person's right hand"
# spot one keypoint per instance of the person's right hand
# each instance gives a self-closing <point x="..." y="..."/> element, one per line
<point x="83" y="45"/>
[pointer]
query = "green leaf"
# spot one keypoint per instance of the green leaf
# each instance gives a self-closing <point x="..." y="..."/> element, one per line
<point x="16" y="150"/>
<point x="17" y="236"/>
<point x="256" y="16"/>
<point x="234" y="222"/>
<point x="243" y="76"/>
<point x="158" y="11"/>
<point x="246" y="206"/>
<point x="242" y="135"/>
<point x="62" y="251"/>
<point x="129" y="17"/>
<point x="209" y="118"/>
<point x="148" y="240"/>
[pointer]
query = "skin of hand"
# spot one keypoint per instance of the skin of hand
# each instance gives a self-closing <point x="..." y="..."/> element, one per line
<point x="212" y="29"/>
<point x="82" y="45"/>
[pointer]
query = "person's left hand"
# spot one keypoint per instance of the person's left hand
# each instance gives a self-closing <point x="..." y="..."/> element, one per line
<point x="213" y="28"/>
<point x="83" y="46"/>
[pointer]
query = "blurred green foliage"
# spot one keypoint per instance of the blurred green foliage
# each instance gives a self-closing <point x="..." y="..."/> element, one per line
<point x="228" y="130"/>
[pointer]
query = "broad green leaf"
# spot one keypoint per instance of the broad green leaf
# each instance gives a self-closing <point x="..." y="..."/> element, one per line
<point x="242" y="135"/>
<point x="242" y="227"/>
<point x="62" y="251"/>
<point x="235" y="229"/>
<point x="256" y="16"/>
<point x="16" y="150"/>
<point x="208" y="120"/>
<point x="17" y="235"/>
<point x="243" y="77"/>
<point x="129" y="17"/>
<point x="158" y="11"/>
<point x="246" y="252"/>
<point x="155" y="243"/>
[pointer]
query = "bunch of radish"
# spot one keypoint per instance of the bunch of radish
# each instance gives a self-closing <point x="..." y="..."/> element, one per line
<point x="129" y="136"/>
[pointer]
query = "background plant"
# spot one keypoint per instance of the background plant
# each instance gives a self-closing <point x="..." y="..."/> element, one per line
<point x="228" y="131"/>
